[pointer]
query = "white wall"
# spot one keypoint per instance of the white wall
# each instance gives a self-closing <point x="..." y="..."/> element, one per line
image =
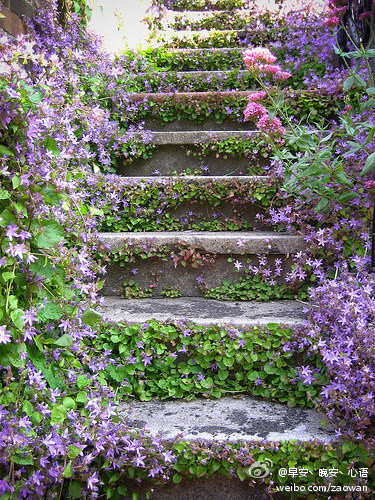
<point x="119" y="23"/>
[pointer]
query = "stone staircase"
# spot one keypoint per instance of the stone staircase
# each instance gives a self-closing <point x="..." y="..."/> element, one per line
<point x="193" y="260"/>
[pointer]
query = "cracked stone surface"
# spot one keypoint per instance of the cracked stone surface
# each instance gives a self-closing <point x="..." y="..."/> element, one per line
<point x="203" y="311"/>
<point x="227" y="420"/>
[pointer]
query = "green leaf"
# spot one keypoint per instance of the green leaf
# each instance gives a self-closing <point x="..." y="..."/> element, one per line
<point x="5" y="151"/>
<point x="51" y="145"/>
<point x="52" y="376"/>
<point x="369" y="164"/>
<point x="96" y="211"/>
<point x="347" y="447"/>
<point x="82" y="381"/>
<point x="52" y="233"/>
<point x="4" y="195"/>
<point x="21" y="459"/>
<point x="68" y="471"/>
<point x="36" y="418"/>
<point x="322" y="204"/>
<point x="28" y="408"/>
<point x="344" y="197"/>
<point x="16" y="181"/>
<point x="73" y="451"/>
<point x="69" y="403"/>
<point x="348" y="83"/>
<point x="252" y="376"/>
<point x="177" y="478"/>
<point x="223" y="374"/>
<point x="75" y="489"/>
<point x="118" y="373"/>
<point x="17" y="318"/>
<point x="90" y="317"/>
<point x="64" y="341"/>
<point x="81" y="397"/>
<point x="50" y="311"/>
<point x="360" y="81"/>
<point x="340" y="175"/>
<point x="58" y="415"/>
<point x="7" y="276"/>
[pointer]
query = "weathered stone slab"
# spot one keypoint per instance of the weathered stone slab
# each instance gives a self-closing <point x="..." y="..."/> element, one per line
<point x="194" y="136"/>
<point x="227" y="420"/>
<point x="211" y="250"/>
<point x="189" y="96"/>
<point x="213" y="242"/>
<point x="204" y="312"/>
<point x="173" y="159"/>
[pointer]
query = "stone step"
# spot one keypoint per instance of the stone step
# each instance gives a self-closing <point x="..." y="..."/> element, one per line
<point x="180" y="151"/>
<point x="212" y="242"/>
<point x="203" y="5"/>
<point x="181" y="59"/>
<point x="185" y="81"/>
<point x="202" y="38"/>
<point x="177" y="159"/>
<point x="227" y="420"/>
<point x="199" y="136"/>
<point x="190" y="97"/>
<point x="202" y="311"/>
<point x="195" y="263"/>
<point x="194" y="20"/>
<point x="194" y="202"/>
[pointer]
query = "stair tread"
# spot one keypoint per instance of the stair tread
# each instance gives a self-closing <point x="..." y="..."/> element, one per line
<point x="227" y="420"/>
<point x="203" y="32"/>
<point x="193" y="136"/>
<point x="213" y="242"/>
<point x="204" y="50"/>
<point x="204" y="312"/>
<point x="202" y="13"/>
<point x="183" y="96"/>
<point x="196" y="73"/>
<point x="198" y="179"/>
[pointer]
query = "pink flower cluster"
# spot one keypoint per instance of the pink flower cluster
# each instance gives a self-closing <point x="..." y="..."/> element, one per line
<point x="258" y="55"/>
<point x="254" y="110"/>
<point x="261" y="60"/>
<point x="338" y="9"/>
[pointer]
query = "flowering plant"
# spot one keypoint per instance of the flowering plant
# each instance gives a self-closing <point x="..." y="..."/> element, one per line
<point x="60" y="433"/>
<point x="311" y="158"/>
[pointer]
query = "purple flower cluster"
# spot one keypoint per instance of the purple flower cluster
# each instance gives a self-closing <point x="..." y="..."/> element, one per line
<point x="59" y="96"/>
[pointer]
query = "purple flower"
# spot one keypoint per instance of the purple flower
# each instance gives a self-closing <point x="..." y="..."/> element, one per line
<point x="29" y="317"/>
<point x="12" y="231"/>
<point x="5" y="337"/>
<point x="92" y="481"/>
<point x="238" y="265"/>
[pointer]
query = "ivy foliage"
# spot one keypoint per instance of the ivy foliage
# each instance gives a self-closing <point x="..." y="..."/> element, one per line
<point x="185" y="360"/>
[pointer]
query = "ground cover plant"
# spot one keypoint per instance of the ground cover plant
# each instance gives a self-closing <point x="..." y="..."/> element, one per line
<point x="60" y="434"/>
<point x="332" y="171"/>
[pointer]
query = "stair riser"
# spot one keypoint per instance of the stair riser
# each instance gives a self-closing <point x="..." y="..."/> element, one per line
<point x="197" y="59"/>
<point x="160" y="275"/>
<point x="174" y="159"/>
<point x="202" y="5"/>
<point x="214" y="20"/>
<point x="208" y="125"/>
<point x="195" y="216"/>
<point x="197" y="82"/>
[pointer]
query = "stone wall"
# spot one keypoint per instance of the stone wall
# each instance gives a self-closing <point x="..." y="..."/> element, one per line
<point x="15" y="11"/>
